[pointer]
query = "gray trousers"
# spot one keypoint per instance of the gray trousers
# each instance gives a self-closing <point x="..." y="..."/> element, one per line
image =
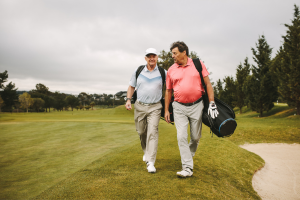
<point x="183" y="116"/>
<point x="146" y="121"/>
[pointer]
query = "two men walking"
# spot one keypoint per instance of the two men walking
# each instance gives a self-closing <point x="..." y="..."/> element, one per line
<point x="184" y="81"/>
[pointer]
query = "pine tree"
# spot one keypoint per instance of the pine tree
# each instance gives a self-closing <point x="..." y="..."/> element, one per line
<point x="9" y="95"/>
<point x="242" y="72"/>
<point x="265" y="92"/>
<point x="218" y="90"/>
<point x="229" y="93"/>
<point x="288" y="63"/>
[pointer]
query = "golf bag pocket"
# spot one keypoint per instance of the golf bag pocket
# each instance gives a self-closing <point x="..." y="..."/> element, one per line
<point x="224" y="124"/>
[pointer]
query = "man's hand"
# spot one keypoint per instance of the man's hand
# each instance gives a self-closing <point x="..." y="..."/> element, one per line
<point x="167" y="116"/>
<point x="212" y="109"/>
<point x="128" y="105"/>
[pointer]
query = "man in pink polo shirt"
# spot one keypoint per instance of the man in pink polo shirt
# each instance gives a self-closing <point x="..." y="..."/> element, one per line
<point x="184" y="80"/>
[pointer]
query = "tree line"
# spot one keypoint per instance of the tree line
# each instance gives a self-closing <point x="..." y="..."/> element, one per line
<point x="269" y="80"/>
<point x="42" y="99"/>
<point x="256" y="86"/>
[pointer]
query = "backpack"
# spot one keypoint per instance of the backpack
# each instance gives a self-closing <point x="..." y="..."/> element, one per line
<point x="224" y="124"/>
<point x="163" y="76"/>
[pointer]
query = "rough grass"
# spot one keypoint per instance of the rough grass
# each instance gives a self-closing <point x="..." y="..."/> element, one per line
<point x="96" y="155"/>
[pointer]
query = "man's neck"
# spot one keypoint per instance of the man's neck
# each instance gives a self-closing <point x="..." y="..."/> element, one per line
<point x="151" y="67"/>
<point x="185" y="60"/>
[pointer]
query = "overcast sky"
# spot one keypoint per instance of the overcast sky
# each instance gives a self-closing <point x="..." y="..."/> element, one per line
<point x="94" y="46"/>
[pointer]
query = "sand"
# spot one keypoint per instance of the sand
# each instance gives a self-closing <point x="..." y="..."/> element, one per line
<point x="280" y="177"/>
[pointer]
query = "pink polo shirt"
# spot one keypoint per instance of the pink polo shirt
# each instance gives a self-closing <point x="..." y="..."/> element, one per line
<point x="186" y="81"/>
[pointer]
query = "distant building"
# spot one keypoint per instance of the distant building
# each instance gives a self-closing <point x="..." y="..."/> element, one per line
<point x="121" y="94"/>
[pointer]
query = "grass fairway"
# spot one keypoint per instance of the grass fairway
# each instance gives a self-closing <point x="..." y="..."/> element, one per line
<point x="96" y="154"/>
<point x="38" y="151"/>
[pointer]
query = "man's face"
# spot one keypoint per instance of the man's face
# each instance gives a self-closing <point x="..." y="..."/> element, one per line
<point x="178" y="56"/>
<point x="151" y="59"/>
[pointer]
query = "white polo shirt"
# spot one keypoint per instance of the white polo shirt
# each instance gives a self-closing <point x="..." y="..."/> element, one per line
<point x="148" y="85"/>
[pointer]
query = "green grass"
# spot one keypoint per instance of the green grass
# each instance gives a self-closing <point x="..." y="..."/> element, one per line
<point x="96" y="155"/>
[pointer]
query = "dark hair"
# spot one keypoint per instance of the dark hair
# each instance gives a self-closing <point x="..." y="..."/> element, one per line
<point x="181" y="47"/>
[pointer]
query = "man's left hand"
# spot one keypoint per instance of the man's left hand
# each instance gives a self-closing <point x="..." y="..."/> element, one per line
<point x="212" y="109"/>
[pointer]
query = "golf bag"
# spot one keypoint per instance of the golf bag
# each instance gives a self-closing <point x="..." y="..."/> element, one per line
<point x="224" y="124"/>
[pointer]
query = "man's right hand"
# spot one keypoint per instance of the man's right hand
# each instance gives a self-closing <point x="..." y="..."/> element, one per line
<point x="167" y="116"/>
<point x="128" y="105"/>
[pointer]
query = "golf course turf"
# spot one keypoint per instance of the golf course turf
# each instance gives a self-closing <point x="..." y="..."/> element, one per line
<point x="97" y="155"/>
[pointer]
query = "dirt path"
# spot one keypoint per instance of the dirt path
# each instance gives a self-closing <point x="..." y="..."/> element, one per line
<point x="280" y="177"/>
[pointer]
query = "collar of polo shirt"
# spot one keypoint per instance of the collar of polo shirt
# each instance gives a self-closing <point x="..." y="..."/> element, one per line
<point x="189" y="62"/>
<point x="146" y="68"/>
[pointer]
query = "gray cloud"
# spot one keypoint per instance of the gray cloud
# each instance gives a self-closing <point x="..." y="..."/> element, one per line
<point x="94" y="46"/>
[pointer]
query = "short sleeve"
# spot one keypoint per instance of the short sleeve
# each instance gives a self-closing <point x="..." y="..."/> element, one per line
<point x="169" y="83"/>
<point x="132" y="81"/>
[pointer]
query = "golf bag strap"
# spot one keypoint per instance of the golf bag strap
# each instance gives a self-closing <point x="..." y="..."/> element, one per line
<point x="198" y="66"/>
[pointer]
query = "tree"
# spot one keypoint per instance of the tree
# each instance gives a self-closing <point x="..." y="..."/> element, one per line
<point x="218" y="90"/>
<point x="3" y="78"/>
<point x="9" y="95"/>
<point x="49" y="102"/>
<point x="242" y="72"/>
<point x="193" y="55"/>
<point x="229" y="93"/>
<point x="38" y="103"/>
<point x="92" y="104"/>
<point x="84" y="98"/>
<point x="25" y="100"/>
<point x="41" y="88"/>
<point x="166" y="61"/>
<point x="1" y="103"/>
<point x="72" y="101"/>
<point x="264" y="92"/>
<point x="59" y="102"/>
<point x="287" y="63"/>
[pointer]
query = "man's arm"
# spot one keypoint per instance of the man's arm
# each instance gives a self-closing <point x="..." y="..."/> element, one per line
<point x="168" y="96"/>
<point x="212" y="109"/>
<point x="209" y="88"/>
<point x="130" y="92"/>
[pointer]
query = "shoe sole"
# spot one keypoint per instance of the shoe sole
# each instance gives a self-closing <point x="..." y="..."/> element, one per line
<point x="181" y="176"/>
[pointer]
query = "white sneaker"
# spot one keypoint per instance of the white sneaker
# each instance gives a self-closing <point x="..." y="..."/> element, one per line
<point x="144" y="158"/>
<point x="150" y="167"/>
<point x="185" y="173"/>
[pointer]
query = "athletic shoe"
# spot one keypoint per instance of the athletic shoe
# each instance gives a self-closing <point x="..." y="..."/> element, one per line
<point x="185" y="173"/>
<point x="150" y="167"/>
<point x="144" y="158"/>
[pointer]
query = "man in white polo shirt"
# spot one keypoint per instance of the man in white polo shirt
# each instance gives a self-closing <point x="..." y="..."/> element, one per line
<point x="147" y="112"/>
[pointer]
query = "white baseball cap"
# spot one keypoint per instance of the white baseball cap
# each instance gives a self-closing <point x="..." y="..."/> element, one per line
<point x="150" y="51"/>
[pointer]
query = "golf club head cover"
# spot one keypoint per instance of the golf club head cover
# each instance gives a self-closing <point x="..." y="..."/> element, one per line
<point x="212" y="109"/>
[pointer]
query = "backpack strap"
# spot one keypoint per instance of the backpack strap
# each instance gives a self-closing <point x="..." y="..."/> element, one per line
<point x="163" y="75"/>
<point x="138" y="71"/>
<point x="161" y="70"/>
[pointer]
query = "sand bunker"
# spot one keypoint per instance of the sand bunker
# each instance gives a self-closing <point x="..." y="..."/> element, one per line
<point x="280" y="177"/>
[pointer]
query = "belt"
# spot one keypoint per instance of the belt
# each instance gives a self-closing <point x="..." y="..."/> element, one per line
<point x="190" y="104"/>
<point x="146" y="104"/>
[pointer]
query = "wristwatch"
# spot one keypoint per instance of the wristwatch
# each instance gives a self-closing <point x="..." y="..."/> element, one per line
<point x="127" y="99"/>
